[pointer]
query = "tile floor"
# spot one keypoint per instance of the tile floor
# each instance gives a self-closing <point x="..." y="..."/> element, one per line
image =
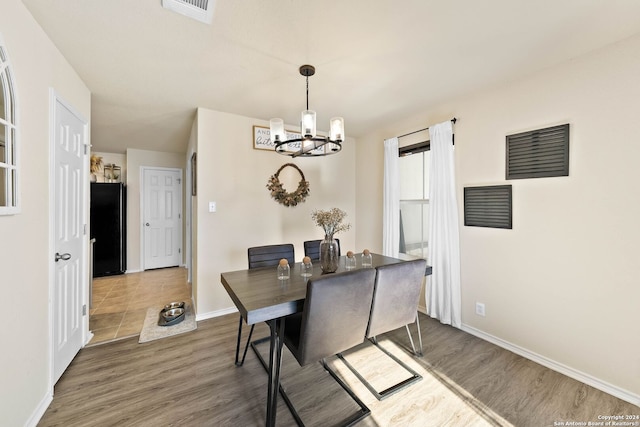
<point x="120" y="302"/>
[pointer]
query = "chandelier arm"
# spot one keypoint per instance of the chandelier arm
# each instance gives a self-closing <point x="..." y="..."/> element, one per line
<point x="318" y="142"/>
<point x="304" y="150"/>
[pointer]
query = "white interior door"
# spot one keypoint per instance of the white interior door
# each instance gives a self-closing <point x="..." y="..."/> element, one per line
<point x="162" y="217"/>
<point x="70" y="279"/>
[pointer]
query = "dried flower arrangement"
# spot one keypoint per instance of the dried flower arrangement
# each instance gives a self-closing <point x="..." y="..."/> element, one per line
<point x="96" y="164"/>
<point x="330" y="221"/>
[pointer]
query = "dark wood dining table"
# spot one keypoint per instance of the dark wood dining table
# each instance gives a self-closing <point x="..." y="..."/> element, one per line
<point x="261" y="297"/>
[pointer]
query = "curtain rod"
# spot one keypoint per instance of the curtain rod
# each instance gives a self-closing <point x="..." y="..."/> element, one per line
<point x="453" y="121"/>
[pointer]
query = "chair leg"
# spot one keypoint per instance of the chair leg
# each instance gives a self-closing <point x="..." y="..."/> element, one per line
<point x="413" y="347"/>
<point x="419" y="333"/>
<point x="244" y="355"/>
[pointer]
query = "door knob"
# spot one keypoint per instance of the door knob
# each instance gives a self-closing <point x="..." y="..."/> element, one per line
<point x="147" y="224"/>
<point x="64" y="257"/>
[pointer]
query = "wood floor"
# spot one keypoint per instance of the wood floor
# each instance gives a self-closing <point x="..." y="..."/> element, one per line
<point x="190" y="380"/>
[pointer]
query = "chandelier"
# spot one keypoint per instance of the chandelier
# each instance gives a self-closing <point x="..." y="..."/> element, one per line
<point x="308" y="143"/>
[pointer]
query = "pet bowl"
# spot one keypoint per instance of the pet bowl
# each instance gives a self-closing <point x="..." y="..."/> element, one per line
<point x="173" y="313"/>
<point x="173" y="305"/>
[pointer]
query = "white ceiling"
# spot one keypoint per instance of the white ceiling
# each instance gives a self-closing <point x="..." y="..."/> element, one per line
<point x="376" y="61"/>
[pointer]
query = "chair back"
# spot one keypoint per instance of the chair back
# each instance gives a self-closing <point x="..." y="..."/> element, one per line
<point x="312" y="249"/>
<point x="335" y="315"/>
<point x="270" y="255"/>
<point x="396" y="296"/>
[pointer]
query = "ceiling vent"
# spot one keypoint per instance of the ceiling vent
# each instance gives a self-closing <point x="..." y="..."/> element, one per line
<point x="201" y="10"/>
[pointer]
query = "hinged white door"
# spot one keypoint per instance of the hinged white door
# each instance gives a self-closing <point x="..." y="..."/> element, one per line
<point x="162" y="217"/>
<point x="69" y="234"/>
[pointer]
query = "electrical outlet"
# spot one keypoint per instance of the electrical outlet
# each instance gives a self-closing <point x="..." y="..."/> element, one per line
<point x="480" y="309"/>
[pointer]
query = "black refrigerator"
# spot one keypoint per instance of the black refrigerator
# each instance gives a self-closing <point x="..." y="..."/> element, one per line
<point x="108" y="228"/>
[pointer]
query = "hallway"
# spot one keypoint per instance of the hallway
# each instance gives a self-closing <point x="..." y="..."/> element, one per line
<point x="120" y="302"/>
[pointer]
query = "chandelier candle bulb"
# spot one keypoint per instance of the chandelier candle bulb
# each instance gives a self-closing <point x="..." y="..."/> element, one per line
<point x="276" y="127"/>
<point x="308" y="123"/>
<point x="337" y="129"/>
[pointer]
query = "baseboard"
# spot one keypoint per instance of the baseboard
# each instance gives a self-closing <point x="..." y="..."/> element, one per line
<point x="217" y="313"/>
<point x="604" y="386"/>
<point x="40" y="410"/>
<point x="89" y="338"/>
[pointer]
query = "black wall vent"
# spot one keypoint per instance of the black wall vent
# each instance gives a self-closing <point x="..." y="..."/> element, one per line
<point x="488" y="206"/>
<point x="539" y="153"/>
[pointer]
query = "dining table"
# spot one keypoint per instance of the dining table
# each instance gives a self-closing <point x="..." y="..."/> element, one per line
<point x="261" y="297"/>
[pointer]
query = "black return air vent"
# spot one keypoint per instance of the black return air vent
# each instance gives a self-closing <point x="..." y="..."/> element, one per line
<point x="488" y="206"/>
<point x="539" y="153"/>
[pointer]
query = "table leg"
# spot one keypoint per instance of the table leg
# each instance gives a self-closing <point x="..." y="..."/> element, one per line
<point x="275" y="362"/>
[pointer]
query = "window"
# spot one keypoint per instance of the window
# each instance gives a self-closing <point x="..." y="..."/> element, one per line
<point x="8" y="135"/>
<point x="414" y="199"/>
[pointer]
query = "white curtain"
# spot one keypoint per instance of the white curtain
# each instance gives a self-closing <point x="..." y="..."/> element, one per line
<point x="443" y="286"/>
<point x="391" y="200"/>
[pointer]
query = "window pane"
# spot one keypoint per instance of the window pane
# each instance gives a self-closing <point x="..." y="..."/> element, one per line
<point x="414" y="228"/>
<point x="425" y="230"/>
<point x="426" y="165"/>
<point x="8" y="113"/>
<point x="3" y="143"/>
<point x="10" y="146"/>
<point x="411" y="179"/>
<point x="3" y="187"/>
<point x="3" y="97"/>
<point x="12" y="190"/>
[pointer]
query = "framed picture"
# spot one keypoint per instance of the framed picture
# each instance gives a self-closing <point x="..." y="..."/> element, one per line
<point x="262" y="140"/>
<point x="194" y="174"/>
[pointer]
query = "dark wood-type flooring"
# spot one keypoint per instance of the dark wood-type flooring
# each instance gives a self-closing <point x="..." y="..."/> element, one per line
<point x="190" y="380"/>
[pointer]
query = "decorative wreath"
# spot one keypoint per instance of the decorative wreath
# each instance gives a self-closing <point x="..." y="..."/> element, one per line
<point x="280" y="195"/>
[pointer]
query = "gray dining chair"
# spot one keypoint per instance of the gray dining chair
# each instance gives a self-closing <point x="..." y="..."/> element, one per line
<point x="270" y="255"/>
<point x="259" y="257"/>
<point x="395" y="304"/>
<point x="312" y="249"/>
<point x="334" y="319"/>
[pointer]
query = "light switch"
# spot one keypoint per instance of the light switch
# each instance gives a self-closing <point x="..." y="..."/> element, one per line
<point x="212" y="206"/>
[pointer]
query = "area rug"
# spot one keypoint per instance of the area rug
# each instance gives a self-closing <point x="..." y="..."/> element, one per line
<point x="151" y="331"/>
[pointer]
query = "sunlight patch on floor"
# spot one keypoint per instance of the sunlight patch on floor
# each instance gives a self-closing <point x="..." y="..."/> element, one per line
<point x="444" y="402"/>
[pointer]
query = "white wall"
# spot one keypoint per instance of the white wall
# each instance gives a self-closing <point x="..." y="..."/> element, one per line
<point x="563" y="284"/>
<point x="25" y="258"/>
<point x="234" y="175"/>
